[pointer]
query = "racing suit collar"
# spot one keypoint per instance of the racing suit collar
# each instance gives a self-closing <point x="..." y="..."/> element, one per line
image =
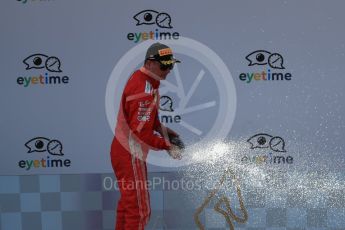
<point x="153" y="78"/>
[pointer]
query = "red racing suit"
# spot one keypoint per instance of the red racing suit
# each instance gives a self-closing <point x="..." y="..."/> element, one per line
<point x="134" y="136"/>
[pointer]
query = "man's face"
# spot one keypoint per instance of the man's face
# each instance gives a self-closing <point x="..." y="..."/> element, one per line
<point x="154" y="67"/>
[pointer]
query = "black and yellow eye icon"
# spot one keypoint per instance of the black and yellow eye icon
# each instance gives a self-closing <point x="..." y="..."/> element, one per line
<point x="147" y="17"/>
<point x="259" y="57"/>
<point x="263" y="140"/>
<point x="37" y="144"/>
<point x="263" y="57"/>
<point x="42" y="144"/>
<point x="35" y="61"/>
<point x="260" y="140"/>
<point x="40" y="61"/>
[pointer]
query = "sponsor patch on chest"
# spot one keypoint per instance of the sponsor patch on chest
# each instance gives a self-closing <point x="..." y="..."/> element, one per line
<point x="148" y="88"/>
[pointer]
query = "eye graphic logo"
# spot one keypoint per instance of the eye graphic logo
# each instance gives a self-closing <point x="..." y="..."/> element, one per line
<point x="40" y="61"/>
<point x="150" y="17"/>
<point x="276" y="157"/>
<point x="153" y="17"/>
<point x="263" y="140"/>
<point x="42" y="144"/>
<point x="51" y="66"/>
<point x="166" y="104"/>
<point x="263" y="57"/>
<point x="274" y="70"/>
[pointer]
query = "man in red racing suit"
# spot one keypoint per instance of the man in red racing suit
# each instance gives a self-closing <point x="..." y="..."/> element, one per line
<point x="135" y="135"/>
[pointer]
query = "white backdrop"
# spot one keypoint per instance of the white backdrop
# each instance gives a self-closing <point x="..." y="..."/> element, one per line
<point x="64" y="63"/>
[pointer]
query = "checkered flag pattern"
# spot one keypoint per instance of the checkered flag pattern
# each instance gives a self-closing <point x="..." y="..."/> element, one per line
<point x="88" y="201"/>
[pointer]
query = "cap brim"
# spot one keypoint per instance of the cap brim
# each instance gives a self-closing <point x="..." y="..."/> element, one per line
<point x="160" y="59"/>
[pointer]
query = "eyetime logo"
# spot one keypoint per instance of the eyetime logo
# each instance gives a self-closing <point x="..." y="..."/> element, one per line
<point x="153" y="17"/>
<point x="52" y="66"/>
<point x="269" y="60"/>
<point x="33" y="1"/>
<point x="276" y="156"/>
<point x="168" y="115"/>
<point x="42" y="145"/>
